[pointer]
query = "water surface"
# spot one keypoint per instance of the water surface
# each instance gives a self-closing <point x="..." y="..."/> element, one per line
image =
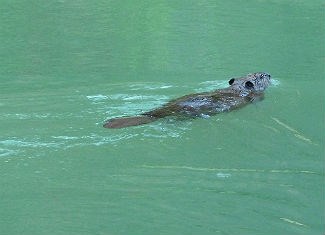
<point x="67" y="66"/>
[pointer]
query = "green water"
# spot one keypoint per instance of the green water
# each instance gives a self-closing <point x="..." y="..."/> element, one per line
<point x="67" y="66"/>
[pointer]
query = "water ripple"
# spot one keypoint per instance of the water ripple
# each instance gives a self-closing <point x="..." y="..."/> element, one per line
<point x="7" y="152"/>
<point x="284" y="171"/>
<point x="23" y="143"/>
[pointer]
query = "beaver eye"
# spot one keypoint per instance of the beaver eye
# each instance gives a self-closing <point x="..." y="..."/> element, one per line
<point x="249" y="85"/>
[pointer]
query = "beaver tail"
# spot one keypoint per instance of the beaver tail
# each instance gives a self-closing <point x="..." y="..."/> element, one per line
<point x="116" y="123"/>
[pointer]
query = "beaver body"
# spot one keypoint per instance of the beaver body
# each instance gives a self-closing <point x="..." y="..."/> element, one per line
<point x="242" y="91"/>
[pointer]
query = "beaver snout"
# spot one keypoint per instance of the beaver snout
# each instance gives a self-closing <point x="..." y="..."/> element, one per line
<point x="265" y="76"/>
<point x="268" y="76"/>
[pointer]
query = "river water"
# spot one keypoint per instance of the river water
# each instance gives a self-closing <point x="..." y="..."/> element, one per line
<point x="67" y="66"/>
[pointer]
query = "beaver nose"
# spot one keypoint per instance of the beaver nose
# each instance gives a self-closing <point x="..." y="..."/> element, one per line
<point x="266" y="75"/>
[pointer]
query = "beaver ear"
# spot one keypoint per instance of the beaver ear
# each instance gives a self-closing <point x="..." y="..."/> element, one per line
<point x="249" y="85"/>
<point x="231" y="81"/>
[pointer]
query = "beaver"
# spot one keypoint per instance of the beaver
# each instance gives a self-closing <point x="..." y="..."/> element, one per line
<point x="242" y="91"/>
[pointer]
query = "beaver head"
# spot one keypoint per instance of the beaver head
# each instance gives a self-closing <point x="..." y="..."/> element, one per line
<point x="255" y="82"/>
